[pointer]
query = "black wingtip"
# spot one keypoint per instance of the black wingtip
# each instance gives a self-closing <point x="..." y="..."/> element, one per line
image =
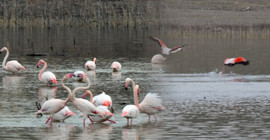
<point x="126" y="88"/>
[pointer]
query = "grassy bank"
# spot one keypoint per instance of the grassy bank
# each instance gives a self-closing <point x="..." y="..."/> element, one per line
<point x="225" y="18"/>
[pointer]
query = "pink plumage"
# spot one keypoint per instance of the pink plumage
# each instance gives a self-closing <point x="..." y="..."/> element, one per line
<point x="13" y="65"/>
<point x="91" y="65"/>
<point x="46" y="77"/>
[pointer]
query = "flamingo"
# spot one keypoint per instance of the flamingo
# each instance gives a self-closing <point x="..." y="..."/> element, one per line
<point x="230" y="62"/>
<point x="158" y="59"/>
<point x="164" y="49"/>
<point x="46" y="77"/>
<point x="13" y="65"/>
<point x="103" y="109"/>
<point x="103" y="99"/>
<point x="86" y="107"/>
<point x="116" y="66"/>
<point x="53" y="106"/>
<point x="63" y="114"/>
<point x="151" y="103"/>
<point x="91" y="65"/>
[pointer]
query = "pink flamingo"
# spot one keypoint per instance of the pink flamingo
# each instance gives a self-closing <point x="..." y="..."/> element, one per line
<point x="103" y="109"/>
<point x="151" y="103"/>
<point x="164" y="49"/>
<point x="46" y="77"/>
<point x="91" y="65"/>
<point x="86" y="107"/>
<point x="116" y="66"/>
<point x="230" y="62"/>
<point x="53" y="106"/>
<point x="131" y="111"/>
<point x="103" y="100"/>
<point x="63" y="114"/>
<point x="13" y="65"/>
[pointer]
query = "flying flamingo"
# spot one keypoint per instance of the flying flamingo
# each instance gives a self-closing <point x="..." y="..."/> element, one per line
<point x="103" y="109"/>
<point x="116" y="66"/>
<point x="86" y="107"/>
<point x="13" y="65"/>
<point x="46" y="77"/>
<point x="151" y="103"/>
<point x="164" y="49"/>
<point x="131" y="111"/>
<point x="230" y="62"/>
<point x="53" y="106"/>
<point x="91" y="65"/>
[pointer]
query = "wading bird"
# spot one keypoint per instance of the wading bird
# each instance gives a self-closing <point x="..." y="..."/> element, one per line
<point x="91" y="65"/>
<point x="53" y="106"/>
<point x="86" y="107"/>
<point x="46" y="77"/>
<point x="230" y="62"/>
<point x="151" y="103"/>
<point x="116" y="66"/>
<point x="101" y="108"/>
<point x="13" y="65"/>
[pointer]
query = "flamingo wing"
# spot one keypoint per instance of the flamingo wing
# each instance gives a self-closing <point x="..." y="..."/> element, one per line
<point x="130" y="111"/>
<point x="52" y="106"/>
<point x="48" y="77"/>
<point x="14" y="66"/>
<point x="86" y="107"/>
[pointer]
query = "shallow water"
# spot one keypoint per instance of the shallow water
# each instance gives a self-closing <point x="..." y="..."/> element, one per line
<point x="200" y="102"/>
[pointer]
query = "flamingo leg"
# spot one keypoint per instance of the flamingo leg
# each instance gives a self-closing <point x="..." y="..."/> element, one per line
<point x="223" y="68"/>
<point x="230" y="70"/>
<point x="130" y="121"/>
<point x="155" y="117"/>
<point x="84" y="121"/>
<point x="149" y="118"/>
<point x="127" y="121"/>
<point x="111" y="121"/>
<point x="48" y="120"/>
<point x="91" y="120"/>
<point x="51" y="120"/>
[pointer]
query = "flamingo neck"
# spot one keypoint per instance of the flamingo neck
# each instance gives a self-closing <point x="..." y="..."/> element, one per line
<point x="136" y="100"/>
<point x="67" y="88"/>
<point x="5" y="59"/>
<point x="80" y="88"/>
<point x="42" y="71"/>
<point x="91" y="97"/>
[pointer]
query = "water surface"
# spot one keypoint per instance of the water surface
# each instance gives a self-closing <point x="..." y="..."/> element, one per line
<point x="200" y="102"/>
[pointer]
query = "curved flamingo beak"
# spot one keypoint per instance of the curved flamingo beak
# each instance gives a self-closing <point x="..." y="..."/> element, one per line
<point x="84" y="95"/>
<point x="126" y="86"/>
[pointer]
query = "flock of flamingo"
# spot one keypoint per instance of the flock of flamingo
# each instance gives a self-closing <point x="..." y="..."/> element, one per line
<point x="99" y="108"/>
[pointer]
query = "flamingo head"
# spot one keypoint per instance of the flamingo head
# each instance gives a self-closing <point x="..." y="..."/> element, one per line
<point x="137" y="90"/>
<point x="127" y="81"/>
<point x="69" y="75"/>
<point x="40" y="62"/>
<point x="107" y="103"/>
<point x="85" y="93"/>
<point x="95" y="60"/>
<point x="3" y="49"/>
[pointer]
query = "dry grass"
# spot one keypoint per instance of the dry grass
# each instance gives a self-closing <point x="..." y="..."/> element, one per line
<point x="202" y="18"/>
